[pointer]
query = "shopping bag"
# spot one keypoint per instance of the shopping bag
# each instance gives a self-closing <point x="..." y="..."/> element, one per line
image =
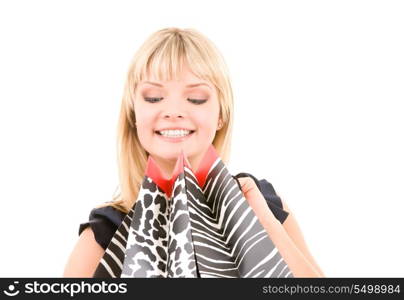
<point x="195" y="224"/>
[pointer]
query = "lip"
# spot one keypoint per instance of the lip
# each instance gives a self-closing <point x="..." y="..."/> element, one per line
<point x="176" y="128"/>
<point x="176" y="139"/>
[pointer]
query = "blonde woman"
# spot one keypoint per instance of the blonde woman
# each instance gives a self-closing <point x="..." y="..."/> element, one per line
<point x="178" y="80"/>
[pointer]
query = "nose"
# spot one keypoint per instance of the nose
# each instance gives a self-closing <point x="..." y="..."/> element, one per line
<point x="170" y="116"/>
<point x="174" y="110"/>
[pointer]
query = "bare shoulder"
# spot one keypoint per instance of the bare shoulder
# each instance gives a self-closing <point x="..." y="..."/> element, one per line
<point x="292" y="228"/>
<point x="85" y="256"/>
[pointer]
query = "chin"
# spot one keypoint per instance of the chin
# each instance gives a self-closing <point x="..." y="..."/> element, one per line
<point x="173" y="154"/>
<point x="168" y="155"/>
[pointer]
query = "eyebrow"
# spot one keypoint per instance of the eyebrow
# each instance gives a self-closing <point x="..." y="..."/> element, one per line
<point x="187" y="86"/>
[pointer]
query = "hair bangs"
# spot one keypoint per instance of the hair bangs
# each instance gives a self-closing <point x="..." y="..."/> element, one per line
<point x="167" y="61"/>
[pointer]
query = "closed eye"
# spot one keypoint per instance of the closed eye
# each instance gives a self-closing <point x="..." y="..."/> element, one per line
<point x="152" y="100"/>
<point x="197" y="101"/>
<point x="156" y="99"/>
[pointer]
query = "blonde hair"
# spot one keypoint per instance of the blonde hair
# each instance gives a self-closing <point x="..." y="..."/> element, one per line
<point x="163" y="55"/>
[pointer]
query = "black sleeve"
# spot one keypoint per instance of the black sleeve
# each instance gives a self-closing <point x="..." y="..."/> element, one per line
<point x="104" y="221"/>
<point x="273" y="200"/>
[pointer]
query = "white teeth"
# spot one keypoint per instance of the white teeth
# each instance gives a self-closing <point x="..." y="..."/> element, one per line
<point x="175" y="133"/>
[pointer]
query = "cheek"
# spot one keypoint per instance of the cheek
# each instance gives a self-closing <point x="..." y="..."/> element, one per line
<point x="206" y="123"/>
<point x="144" y="121"/>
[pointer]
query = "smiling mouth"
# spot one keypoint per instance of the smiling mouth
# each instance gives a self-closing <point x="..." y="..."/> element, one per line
<point x="174" y="133"/>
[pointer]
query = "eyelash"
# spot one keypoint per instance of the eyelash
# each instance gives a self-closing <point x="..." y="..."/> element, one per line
<point x="195" y="101"/>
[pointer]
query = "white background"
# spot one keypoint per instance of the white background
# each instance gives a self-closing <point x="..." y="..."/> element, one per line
<point x="318" y="112"/>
